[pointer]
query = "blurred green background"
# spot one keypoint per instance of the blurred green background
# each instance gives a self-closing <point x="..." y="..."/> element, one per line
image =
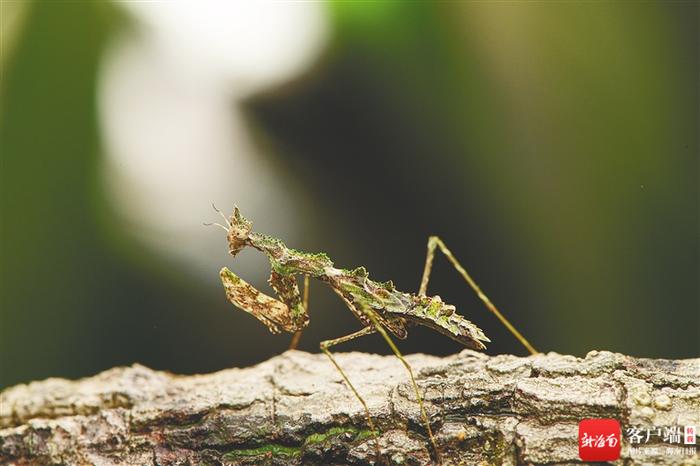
<point x="553" y="146"/>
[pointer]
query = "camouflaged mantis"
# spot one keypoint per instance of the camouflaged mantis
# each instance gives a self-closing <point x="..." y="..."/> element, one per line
<point x="379" y="306"/>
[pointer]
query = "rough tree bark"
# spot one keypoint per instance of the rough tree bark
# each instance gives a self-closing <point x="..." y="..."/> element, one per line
<point x="295" y="409"/>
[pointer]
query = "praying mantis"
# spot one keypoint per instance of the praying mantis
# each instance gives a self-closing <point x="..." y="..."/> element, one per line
<point x="379" y="306"/>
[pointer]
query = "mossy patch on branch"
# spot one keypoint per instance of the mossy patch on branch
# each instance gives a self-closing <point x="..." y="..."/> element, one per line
<point x="287" y="451"/>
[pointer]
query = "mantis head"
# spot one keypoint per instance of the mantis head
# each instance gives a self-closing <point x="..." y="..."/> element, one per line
<point x="238" y="232"/>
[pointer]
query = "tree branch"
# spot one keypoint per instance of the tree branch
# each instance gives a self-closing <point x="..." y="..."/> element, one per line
<point x="295" y="409"/>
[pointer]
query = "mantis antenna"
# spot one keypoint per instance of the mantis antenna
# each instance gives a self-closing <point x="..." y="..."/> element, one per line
<point x="214" y="224"/>
<point x="222" y="215"/>
<point x="228" y="224"/>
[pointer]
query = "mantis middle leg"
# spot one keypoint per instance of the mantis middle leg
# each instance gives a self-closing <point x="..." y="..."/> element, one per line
<point x="336" y="341"/>
<point x="435" y="242"/>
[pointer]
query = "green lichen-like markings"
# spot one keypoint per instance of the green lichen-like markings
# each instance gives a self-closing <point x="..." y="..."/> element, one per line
<point x="358" y="435"/>
<point x="269" y="449"/>
<point x="290" y="451"/>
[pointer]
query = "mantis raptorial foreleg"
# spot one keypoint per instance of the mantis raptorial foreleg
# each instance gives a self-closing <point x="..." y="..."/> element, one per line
<point x="305" y="303"/>
<point x="336" y="341"/>
<point x="434" y="242"/>
<point x="285" y="314"/>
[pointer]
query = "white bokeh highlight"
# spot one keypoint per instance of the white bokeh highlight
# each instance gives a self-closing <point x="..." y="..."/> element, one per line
<point x="174" y="136"/>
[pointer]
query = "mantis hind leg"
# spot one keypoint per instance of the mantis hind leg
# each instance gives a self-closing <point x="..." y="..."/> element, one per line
<point x="424" y="415"/>
<point x="435" y="242"/>
<point x="324" y="347"/>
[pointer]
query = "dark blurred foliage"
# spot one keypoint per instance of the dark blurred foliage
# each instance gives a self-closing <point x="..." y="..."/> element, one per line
<point x="73" y="303"/>
<point x="573" y="202"/>
<point x="553" y="146"/>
